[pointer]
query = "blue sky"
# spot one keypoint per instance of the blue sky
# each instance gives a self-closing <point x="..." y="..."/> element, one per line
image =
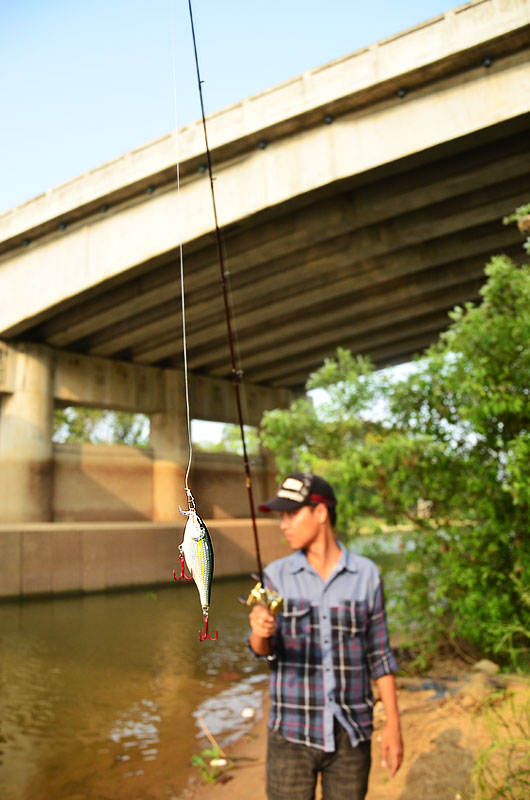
<point x="84" y="81"/>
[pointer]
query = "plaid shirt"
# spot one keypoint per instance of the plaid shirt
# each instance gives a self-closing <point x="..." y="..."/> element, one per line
<point x="331" y="638"/>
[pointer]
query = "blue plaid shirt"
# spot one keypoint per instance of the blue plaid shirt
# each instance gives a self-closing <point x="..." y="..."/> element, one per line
<point x="331" y="638"/>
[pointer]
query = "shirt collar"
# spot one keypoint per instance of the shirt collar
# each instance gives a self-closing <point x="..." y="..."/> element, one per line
<point x="347" y="561"/>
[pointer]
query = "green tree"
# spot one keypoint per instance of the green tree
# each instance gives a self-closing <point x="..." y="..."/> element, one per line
<point x="77" y="424"/>
<point x="230" y="441"/>
<point x="445" y="452"/>
<point x="127" y="428"/>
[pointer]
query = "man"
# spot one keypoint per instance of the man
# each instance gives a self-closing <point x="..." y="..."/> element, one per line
<point x="323" y="648"/>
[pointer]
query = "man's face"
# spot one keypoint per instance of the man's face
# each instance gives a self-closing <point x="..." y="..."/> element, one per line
<point x="300" y="527"/>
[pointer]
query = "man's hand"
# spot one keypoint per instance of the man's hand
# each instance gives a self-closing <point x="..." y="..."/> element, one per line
<point x="262" y="622"/>
<point x="391" y="742"/>
<point x="262" y="625"/>
<point x="391" y="748"/>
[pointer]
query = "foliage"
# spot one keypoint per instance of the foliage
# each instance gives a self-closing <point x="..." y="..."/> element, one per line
<point x="77" y="424"/>
<point x="210" y="764"/>
<point x="518" y="214"/>
<point x="502" y="770"/>
<point x="444" y="452"/>
<point x="230" y="441"/>
<point x="521" y="217"/>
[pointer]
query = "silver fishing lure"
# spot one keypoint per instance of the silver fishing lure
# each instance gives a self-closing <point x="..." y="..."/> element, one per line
<point x="197" y="551"/>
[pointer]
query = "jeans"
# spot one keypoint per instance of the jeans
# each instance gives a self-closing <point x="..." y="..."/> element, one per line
<point x="292" y="769"/>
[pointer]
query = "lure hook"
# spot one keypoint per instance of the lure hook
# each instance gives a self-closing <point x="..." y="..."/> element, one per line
<point x="204" y="634"/>
<point x="182" y="566"/>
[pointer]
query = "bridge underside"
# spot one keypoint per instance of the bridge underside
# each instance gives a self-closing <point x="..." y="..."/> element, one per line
<point x="373" y="264"/>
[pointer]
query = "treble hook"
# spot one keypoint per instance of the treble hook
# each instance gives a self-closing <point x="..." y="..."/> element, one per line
<point x="182" y="565"/>
<point x="203" y="635"/>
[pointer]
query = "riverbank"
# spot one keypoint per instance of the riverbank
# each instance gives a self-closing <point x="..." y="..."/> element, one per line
<point x="448" y="719"/>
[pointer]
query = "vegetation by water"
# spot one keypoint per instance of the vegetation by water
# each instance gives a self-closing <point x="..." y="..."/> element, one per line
<point x="444" y="454"/>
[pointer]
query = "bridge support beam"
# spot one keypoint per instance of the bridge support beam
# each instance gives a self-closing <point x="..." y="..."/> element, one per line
<point x="26" y="427"/>
<point x="42" y="482"/>
<point x="169" y="443"/>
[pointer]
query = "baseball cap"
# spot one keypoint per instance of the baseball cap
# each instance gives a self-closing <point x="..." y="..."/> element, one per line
<point x="300" y="489"/>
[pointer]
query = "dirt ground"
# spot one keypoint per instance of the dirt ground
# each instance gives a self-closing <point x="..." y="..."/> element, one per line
<point x="448" y="717"/>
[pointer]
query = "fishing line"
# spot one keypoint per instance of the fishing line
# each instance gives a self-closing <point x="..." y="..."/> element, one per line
<point x="195" y="551"/>
<point x="236" y="373"/>
<point x="181" y="267"/>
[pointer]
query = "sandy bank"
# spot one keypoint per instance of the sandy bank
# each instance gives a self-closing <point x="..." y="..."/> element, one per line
<point x="442" y="730"/>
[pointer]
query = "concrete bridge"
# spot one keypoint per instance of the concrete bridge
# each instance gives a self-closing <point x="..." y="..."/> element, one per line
<point x="358" y="204"/>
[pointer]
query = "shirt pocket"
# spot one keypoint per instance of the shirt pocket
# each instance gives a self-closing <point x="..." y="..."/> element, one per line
<point x="350" y="618"/>
<point x="295" y="619"/>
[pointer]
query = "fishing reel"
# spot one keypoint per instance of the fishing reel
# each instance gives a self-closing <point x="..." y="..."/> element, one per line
<point x="265" y="597"/>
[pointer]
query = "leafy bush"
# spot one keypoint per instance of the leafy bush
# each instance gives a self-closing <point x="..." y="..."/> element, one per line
<point x="443" y="453"/>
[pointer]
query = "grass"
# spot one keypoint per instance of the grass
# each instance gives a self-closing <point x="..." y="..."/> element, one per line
<point x="502" y="770"/>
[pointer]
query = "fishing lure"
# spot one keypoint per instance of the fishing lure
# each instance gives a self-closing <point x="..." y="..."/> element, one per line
<point x="196" y="552"/>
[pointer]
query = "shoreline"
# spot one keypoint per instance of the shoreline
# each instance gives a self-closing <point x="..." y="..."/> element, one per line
<point x="247" y="776"/>
<point x="442" y="733"/>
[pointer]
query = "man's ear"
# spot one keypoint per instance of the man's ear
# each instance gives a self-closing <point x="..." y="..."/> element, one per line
<point x="321" y="511"/>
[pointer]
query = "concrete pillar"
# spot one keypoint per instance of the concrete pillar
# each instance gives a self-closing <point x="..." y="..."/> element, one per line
<point x="169" y="442"/>
<point x="271" y="476"/>
<point x="26" y="428"/>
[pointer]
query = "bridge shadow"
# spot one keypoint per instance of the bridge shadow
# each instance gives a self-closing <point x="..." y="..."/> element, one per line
<point x="442" y="772"/>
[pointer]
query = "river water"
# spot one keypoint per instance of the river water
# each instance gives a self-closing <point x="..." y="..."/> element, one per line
<point x="100" y="694"/>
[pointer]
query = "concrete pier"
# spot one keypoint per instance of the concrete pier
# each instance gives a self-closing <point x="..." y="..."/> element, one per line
<point x="26" y="450"/>
<point x="170" y="448"/>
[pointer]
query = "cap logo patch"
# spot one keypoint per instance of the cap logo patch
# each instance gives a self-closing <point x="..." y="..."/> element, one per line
<point x="293" y="489"/>
<point x="288" y="495"/>
<point x="293" y="483"/>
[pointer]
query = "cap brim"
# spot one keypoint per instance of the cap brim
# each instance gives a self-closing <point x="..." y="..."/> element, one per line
<point x="280" y="504"/>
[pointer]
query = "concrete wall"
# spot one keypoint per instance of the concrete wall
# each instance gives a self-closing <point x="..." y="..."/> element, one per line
<point x="48" y="559"/>
<point x="218" y="483"/>
<point x="97" y="483"/>
<point x="111" y="483"/>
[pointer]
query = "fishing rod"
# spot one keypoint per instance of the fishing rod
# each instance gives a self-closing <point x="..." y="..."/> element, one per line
<point x="237" y="373"/>
<point x="259" y="594"/>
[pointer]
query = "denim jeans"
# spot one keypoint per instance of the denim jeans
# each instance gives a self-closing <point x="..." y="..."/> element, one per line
<point x="292" y="769"/>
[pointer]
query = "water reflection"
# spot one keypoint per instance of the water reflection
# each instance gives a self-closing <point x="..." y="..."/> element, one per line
<point x="100" y="694"/>
<point x="219" y="710"/>
<point x="138" y="729"/>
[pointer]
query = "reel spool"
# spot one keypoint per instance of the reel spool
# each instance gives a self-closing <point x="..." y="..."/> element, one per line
<point x="265" y="597"/>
